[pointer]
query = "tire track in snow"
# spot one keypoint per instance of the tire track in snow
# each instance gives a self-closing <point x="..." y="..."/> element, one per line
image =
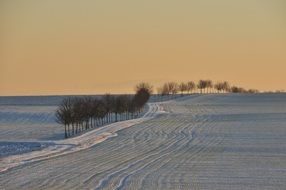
<point x="197" y="145"/>
<point x="70" y="145"/>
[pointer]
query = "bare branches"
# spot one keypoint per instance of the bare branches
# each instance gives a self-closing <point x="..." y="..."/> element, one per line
<point x="222" y="86"/>
<point x="146" y="86"/>
<point x="182" y="88"/>
<point x="169" y="88"/>
<point x="191" y="86"/>
<point x="202" y="84"/>
<point x="83" y="113"/>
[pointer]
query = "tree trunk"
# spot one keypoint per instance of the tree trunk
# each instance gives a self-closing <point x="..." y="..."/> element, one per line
<point x="66" y="131"/>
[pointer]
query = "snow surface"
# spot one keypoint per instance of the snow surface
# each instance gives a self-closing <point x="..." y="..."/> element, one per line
<point x="40" y="150"/>
<point x="227" y="141"/>
<point x="26" y="122"/>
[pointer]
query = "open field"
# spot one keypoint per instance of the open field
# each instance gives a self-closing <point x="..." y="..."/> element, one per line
<point x="201" y="142"/>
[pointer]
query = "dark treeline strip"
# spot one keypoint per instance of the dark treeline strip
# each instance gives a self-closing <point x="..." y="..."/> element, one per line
<point x="81" y="114"/>
<point x="171" y="90"/>
<point x="202" y="86"/>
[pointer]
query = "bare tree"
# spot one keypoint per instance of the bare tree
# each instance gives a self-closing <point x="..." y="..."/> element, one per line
<point x="226" y="86"/>
<point x="219" y="86"/>
<point x="165" y="89"/>
<point x="169" y="88"/>
<point x="209" y="85"/>
<point x="201" y="85"/>
<point x="144" y="85"/>
<point x="141" y="97"/>
<point x="173" y="87"/>
<point x="108" y="102"/>
<point x="235" y="89"/>
<point x="83" y="113"/>
<point x="98" y="111"/>
<point x="182" y="87"/>
<point x="191" y="86"/>
<point x="64" y="115"/>
<point x="78" y="114"/>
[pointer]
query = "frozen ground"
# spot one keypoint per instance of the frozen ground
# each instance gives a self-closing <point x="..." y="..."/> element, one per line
<point x="18" y="153"/>
<point x="29" y="118"/>
<point x="29" y="123"/>
<point x="205" y="142"/>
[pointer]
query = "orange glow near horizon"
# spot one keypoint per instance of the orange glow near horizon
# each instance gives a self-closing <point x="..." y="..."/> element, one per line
<point x="89" y="47"/>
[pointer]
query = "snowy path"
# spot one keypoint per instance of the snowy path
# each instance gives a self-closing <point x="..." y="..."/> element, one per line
<point x="206" y="142"/>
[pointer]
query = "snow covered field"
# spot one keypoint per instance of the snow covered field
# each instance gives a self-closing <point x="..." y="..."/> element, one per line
<point x="201" y="142"/>
<point x="34" y="116"/>
<point x="17" y="153"/>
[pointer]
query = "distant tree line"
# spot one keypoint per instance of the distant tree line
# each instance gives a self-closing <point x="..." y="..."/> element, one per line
<point x="202" y="86"/>
<point x="78" y="114"/>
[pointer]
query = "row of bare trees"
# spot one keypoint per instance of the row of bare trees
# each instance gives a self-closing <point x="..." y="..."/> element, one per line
<point x="78" y="114"/>
<point x="203" y="86"/>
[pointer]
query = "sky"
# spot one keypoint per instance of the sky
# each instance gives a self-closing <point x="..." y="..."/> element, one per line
<point x="107" y="46"/>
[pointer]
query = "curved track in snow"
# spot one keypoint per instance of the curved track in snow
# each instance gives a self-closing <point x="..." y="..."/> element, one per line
<point x="66" y="146"/>
<point x="205" y="142"/>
